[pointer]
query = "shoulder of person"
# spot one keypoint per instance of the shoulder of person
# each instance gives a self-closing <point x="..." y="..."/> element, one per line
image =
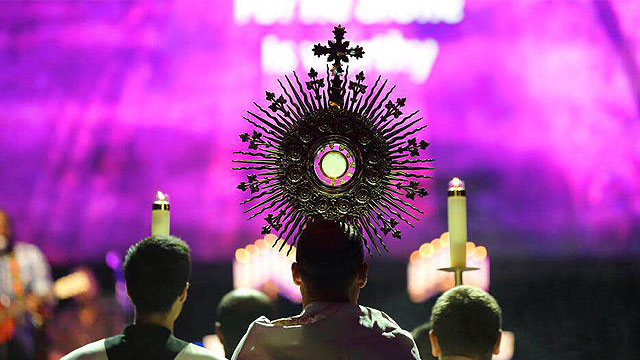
<point x="395" y="336"/>
<point x="380" y="317"/>
<point x="257" y="327"/>
<point x="195" y="352"/>
<point x="253" y="337"/>
<point x="92" y="351"/>
<point x="24" y="249"/>
<point x="25" y="246"/>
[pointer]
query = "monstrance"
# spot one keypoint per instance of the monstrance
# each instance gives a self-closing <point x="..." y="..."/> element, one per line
<point x="334" y="148"/>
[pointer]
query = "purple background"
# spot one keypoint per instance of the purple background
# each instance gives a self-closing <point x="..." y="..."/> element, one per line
<point x="534" y="103"/>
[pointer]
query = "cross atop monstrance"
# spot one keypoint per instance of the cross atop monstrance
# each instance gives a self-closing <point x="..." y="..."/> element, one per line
<point x="337" y="51"/>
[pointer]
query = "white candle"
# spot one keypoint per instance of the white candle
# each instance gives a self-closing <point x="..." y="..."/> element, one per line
<point x="160" y="214"/>
<point x="457" y="218"/>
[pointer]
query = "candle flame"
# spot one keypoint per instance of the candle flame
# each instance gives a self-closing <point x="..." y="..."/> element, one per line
<point x="161" y="197"/>
<point x="415" y="256"/>
<point x="242" y="256"/>
<point x="262" y="267"/>
<point x="444" y="239"/>
<point x="270" y="239"/>
<point x="423" y="281"/>
<point x="480" y="252"/>
<point x="470" y="247"/>
<point x="456" y="184"/>
<point x="426" y="250"/>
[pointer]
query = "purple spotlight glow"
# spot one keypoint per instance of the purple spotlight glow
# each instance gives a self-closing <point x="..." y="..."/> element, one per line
<point x="533" y="103"/>
<point x="113" y="259"/>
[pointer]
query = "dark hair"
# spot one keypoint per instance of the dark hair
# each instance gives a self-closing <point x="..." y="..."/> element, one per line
<point x="329" y="254"/>
<point x="237" y="310"/>
<point x="156" y="270"/>
<point x="421" y="337"/>
<point x="466" y="321"/>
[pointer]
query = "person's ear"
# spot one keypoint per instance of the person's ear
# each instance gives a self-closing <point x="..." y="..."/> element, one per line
<point x="435" y="348"/>
<point x="183" y="295"/>
<point x="219" y="332"/>
<point x="295" y="274"/>
<point x="363" y="275"/>
<point x="496" y="347"/>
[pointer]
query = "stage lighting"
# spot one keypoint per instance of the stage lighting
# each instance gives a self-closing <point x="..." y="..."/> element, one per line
<point x="262" y="267"/>
<point x="423" y="278"/>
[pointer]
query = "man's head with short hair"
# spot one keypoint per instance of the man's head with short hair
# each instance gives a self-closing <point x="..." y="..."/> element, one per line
<point x="466" y="322"/>
<point x="157" y="270"/>
<point x="421" y="337"/>
<point x="329" y="262"/>
<point x="236" y="311"/>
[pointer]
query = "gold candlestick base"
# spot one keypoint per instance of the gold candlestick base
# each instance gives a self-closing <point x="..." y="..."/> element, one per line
<point x="458" y="270"/>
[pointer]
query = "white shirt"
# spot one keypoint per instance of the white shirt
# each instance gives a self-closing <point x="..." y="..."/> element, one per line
<point x="327" y="330"/>
<point x="97" y="351"/>
<point x="35" y="276"/>
<point x="33" y="268"/>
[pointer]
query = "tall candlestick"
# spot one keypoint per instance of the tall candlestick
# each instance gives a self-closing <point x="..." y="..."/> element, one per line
<point x="160" y="214"/>
<point x="457" y="216"/>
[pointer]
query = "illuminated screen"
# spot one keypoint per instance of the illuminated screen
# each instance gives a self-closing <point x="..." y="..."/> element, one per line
<point x="534" y="104"/>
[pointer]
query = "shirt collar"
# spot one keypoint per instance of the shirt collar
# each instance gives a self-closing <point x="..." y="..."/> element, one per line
<point x="320" y="306"/>
<point x="147" y="333"/>
<point x="319" y="310"/>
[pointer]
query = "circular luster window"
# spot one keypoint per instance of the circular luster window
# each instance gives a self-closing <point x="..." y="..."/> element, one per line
<point x="334" y="164"/>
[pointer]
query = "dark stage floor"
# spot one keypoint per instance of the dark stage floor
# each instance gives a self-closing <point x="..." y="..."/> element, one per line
<point x="558" y="309"/>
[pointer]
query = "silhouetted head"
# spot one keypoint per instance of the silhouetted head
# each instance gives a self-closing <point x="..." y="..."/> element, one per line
<point x="329" y="262"/>
<point x="157" y="271"/>
<point x="236" y="311"/>
<point x="466" y="322"/>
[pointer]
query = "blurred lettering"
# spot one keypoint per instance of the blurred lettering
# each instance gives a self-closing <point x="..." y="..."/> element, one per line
<point x="269" y="12"/>
<point x="388" y="53"/>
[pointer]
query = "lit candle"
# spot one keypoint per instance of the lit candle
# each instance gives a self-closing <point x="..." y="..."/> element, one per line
<point x="457" y="216"/>
<point x="160" y="214"/>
